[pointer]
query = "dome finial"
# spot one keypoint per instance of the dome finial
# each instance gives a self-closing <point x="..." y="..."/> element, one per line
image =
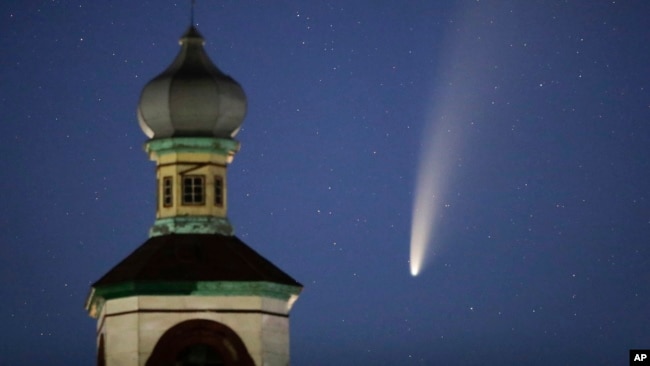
<point x="192" y="97"/>
<point x="193" y="2"/>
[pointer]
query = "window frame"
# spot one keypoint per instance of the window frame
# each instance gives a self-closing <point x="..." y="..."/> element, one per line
<point x="167" y="191"/>
<point x="193" y="193"/>
<point x="219" y="193"/>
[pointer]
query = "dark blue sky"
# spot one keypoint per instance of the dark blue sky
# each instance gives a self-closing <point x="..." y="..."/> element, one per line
<point x="542" y="239"/>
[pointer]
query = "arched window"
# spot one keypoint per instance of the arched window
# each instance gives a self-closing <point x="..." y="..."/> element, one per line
<point x="200" y="342"/>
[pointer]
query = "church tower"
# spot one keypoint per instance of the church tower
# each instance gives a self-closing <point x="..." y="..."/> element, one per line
<point x="193" y="293"/>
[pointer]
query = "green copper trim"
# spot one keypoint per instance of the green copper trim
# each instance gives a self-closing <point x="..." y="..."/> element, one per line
<point x="192" y="144"/>
<point x="99" y="295"/>
<point x="192" y="225"/>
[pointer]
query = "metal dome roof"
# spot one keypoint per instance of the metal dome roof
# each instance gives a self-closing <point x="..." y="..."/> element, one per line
<point x="192" y="98"/>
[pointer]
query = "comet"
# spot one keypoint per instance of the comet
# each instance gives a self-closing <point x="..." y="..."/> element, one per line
<point x="456" y="102"/>
<point x="440" y="142"/>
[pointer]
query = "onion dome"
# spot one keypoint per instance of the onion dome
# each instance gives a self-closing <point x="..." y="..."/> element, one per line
<point x="192" y="98"/>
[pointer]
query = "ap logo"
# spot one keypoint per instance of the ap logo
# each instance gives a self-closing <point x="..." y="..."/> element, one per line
<point x="639" y="357"/>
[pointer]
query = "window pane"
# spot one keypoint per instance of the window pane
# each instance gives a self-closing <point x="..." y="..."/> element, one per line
<point x="218" y="191"/>
<point x="167" y="191"/>
<point x="193" y="189"/>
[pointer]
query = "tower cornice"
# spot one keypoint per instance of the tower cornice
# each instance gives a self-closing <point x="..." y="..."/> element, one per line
<point x="191" y="225"/>
<point x="99" y="296"/>
<point x="170" y="145"/>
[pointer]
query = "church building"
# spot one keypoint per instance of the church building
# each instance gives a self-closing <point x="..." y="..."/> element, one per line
<point x="193" y="293"/>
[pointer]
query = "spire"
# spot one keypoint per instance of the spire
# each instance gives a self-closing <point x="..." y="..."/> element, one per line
<point x="193" y="2"/>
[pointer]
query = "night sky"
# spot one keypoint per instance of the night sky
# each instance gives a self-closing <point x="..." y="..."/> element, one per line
<point x="540" y="253"/>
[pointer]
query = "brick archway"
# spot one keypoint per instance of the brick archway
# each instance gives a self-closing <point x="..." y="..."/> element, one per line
<point x="215" y="335"/>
